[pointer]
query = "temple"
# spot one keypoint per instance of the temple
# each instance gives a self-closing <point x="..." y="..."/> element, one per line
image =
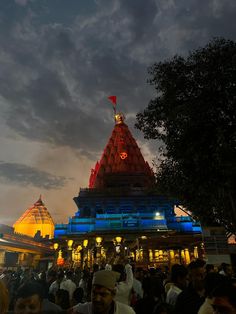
<point x="35" y="220"/>
<point x="122" y="213"/>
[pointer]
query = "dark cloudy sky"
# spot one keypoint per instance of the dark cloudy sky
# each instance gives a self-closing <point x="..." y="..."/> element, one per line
<point x="59" y="61"/>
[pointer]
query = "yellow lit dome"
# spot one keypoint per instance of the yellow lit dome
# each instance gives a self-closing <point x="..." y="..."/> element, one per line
<point x="35" y="219"/>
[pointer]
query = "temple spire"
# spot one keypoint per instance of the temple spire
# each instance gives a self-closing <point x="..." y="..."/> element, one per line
<point x="122" y="162"/>
<point x="39" y="201"/>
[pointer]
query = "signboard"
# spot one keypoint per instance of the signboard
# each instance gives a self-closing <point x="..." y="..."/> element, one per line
<point x="130" y="222"/>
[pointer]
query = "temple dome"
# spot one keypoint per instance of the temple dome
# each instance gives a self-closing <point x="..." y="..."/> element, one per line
<point x="122" y="163"/>
<point x="35" y="219"/>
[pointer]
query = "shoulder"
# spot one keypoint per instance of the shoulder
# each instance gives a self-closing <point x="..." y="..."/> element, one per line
<point x="122" y="308"/>
<point x="83" y="308"/>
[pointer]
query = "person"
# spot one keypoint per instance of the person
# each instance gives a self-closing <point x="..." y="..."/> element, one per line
<point x="210" y="268"/>
<point x="29" y="299"/>
<point x="226" y="270"/>
<point x="68" y="284"/>
<point x="179" y="282"/>
<point x="125" y="282"/>
<point x="137" y="285"/>
<point x="191" y="298"/>
<point x="62" y="299"/>
<point x="224" y="300"/>
<point x="212" y="280"/>
<point x="56" y="285"/>
<point x="4" y="298"/>
<point x="163" y="308"/>
<point x="47" y="305"/>
<point x="153" y="293"/>
<point x="77" y="296"/>
<point x="103" y="296"/>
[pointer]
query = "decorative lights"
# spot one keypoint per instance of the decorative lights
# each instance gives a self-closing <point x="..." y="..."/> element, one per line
<point x="55" y="246"/>
<point x="98" y="240"/>
<point x="60" y="259"/>
<point x="118" y="240"/>
<point x="85" y="243"/>
<point x="70" y="243"/>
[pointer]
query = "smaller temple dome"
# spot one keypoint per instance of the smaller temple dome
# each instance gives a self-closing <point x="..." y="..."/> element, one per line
<point x="35" y="219"/>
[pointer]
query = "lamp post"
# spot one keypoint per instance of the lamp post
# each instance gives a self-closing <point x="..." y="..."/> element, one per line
<point x="98" y="248"/>
<point x="70" y="244"/>
<point x="55" y="247"/>
<point x="85" y="253"/>
<point x="118" y="245"/>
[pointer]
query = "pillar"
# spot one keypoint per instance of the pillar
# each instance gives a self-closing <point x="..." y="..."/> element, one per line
<point x="2" y="258"/>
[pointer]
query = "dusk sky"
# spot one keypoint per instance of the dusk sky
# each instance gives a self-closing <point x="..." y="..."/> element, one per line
<point x="59" y="61"/>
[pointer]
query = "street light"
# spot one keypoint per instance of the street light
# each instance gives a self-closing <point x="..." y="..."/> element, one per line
<point x="98" y="241"/>
<point x="70" y="243"/>
<point x="85" y="243"/>
<point x="118" y="240"/>
<point x="55" y="246"/>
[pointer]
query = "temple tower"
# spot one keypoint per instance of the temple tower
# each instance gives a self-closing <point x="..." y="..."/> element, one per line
<point x="35" y="219"/>
<point x="121" y="212"/>
<point x="122" y="164"/>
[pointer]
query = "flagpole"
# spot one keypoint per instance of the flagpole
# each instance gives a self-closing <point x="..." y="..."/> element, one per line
<point x="113" y="100"/>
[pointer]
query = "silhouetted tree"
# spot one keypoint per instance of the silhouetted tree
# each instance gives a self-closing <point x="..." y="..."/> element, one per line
<point x="194" y="114"/>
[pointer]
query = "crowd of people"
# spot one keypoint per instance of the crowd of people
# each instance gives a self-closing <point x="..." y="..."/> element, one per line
<point x="197" y="288"/>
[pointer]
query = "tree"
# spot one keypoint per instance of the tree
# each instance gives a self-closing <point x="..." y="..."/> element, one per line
<point x="194" y="114"/>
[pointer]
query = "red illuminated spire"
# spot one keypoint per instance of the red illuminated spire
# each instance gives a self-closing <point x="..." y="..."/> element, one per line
<point x="122" y="163"/>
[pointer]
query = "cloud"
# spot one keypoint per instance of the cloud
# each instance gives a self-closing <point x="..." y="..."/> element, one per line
<point x="21" y="2"/>
<point x="58" y="66"/>
<point x="55" y="77"/>
<point x="28" y="176"/>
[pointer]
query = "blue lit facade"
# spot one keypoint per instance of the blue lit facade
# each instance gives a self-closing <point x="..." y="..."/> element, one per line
<point x="99" y="212"/>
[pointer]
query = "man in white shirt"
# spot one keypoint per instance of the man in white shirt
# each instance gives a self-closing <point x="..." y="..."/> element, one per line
<point x="137" y="284"/>
<point x="68" y="284"/>
<point x="102" y="296"/>
<point x="56" y="285"/>
<point x="124" y="284"/>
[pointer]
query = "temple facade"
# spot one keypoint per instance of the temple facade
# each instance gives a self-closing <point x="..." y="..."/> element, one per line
<point x="18" y="250"/>
<point x="121" y="213"/>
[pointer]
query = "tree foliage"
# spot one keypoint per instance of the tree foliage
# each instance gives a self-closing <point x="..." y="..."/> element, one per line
<point x="194" y="114"/>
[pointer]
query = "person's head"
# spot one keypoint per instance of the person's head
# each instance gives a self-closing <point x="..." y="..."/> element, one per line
<point x="103" y="290"/>
<point x="224" y="300"/>
<point x="227" y="268"/>
<point x="197" y="274"/>
<point x="213" y="280"/>
<point x="62" y="299"/>
<point x="210" y="268"/>
<point x="60" y="276"/>
<point x="119" y="268"/>
<point x="139" y="273"/>
<point x="51" y="276"/>
<point x="29" y="298"/>
<point x="4" y="298"/>
<point x="78" y="295"/>
<point x="95" y="267"/>
<point x="69" y="274"/>
<point x="179" y="275"/>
